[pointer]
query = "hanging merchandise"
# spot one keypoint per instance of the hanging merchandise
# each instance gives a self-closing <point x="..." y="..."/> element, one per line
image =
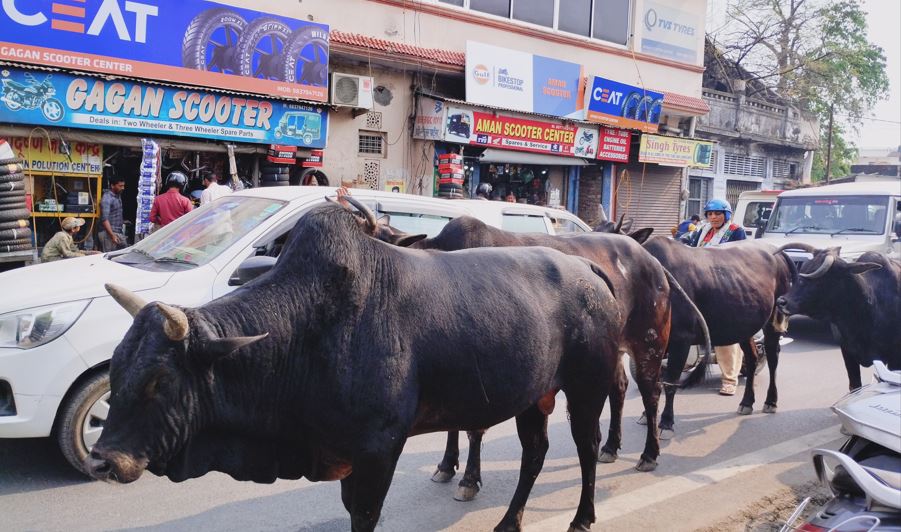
<point x="148" y="181"/>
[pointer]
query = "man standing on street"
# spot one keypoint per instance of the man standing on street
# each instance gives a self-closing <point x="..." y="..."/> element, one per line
<point x="171" y="205"/>
<point x="111" y="235"/>
<point x="213" y="190"/>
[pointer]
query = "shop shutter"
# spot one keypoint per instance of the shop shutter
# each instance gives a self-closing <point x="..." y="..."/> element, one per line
<point x="651" y="199"/>
<point x="734" y="188"/>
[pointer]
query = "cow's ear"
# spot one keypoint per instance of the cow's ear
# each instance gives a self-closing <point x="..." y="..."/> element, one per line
<point x="861" y="267"/>
<point x="641" y="235"/>
<point x="406" y="240"/>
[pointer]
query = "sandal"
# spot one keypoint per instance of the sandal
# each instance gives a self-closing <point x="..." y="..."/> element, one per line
<point x="727" y="389"/>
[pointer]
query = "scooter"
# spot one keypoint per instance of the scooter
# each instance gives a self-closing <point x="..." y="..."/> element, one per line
<point x="864" y="475"/>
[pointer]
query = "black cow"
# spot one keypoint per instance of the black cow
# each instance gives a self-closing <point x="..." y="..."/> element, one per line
<point x="862" y="299"/>
<point x="643" y="294"/>
<point x="735" y="286"/>
<point x="325" y="365"/>
<point x="620" y="227"/>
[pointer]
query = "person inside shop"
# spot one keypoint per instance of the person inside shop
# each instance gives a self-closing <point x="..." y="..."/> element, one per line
<point x="686" y="226"/>
<point x="112" y="235"/>
<point x="511" y="197"/>
<point x="212" y="189"/>
<point x="719" y="230"/>
<point x="483" y="191"/>
<point x="171" y="205"/>
<point x="62" y="245"/>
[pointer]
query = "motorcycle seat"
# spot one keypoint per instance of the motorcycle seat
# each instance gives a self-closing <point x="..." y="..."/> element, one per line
<point x="16" y="85"/>
<point x="886" y="469"/>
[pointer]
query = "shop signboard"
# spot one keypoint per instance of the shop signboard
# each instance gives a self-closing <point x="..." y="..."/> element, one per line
<point x="671" y="33"/>
<point x="675" y="151"/>
<point x="51" y="156"/>
<point x="429" y="121"/>
<point x="468" y="126"/>
<point x="195" y="42"/>
<point x="521" y="81"/>
<point x="626" y="106"/>
<point x="57" y="99"/>
<point x="614" y="144"/>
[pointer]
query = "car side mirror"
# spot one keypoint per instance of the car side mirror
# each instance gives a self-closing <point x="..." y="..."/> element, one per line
<point x="250" y="269"/>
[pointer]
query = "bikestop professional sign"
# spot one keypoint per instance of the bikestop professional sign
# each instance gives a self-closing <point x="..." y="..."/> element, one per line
<point x="618" y="104"/>
<point x="58" y="99"/>
<point x="193" y="42"/>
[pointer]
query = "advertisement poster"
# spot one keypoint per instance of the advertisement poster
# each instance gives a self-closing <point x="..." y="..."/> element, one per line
<point x="467" y="126"/>
<point x="511" y="79"/>
<point x="193" y="42"/>
<point x="56" y="99"/>
<point x="675" y="151"/>
<point x="618" y="104"/>
<point x="614" y="144"/>
<point x="395" y="185"/>
<point x="671" y="33"/>
<point x="43" y="157"/>
<point x="429" y="121"/>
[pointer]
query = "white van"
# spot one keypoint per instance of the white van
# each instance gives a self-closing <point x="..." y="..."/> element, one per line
<point x="753" y="208"/>
<point x="860" y="217"/>
<point x="59" y="327"/>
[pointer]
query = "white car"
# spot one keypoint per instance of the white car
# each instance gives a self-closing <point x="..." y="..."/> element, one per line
<point x="59" y="327"/>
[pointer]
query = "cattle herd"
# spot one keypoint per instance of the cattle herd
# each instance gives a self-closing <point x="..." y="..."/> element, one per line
<point x="361" y="336"/>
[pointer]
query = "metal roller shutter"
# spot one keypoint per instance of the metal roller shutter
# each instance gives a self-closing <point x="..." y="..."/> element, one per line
<point x="649" y="194"/>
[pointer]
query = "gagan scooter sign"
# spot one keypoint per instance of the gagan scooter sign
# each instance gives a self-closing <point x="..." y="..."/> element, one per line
<point x="184" y="41"/>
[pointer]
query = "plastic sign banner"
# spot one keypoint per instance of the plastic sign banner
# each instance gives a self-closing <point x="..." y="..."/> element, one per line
<point x="506" y="132"/>
<point x="614" y="145"/>
<point x="522" y="81"/>
<point x="617" y="104"/>
<point x="193" y="42"/>
<point x="675" y="151"/>
<point x="671" y="33"/>
<point x="55" y="157"/>
<point x="56" y="99"/>
<point x="429" y="121"/>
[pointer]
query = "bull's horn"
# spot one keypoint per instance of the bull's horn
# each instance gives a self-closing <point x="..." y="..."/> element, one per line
<point x="365" y="211"/>
<point x="176" y="326"/>
<point x="821" y="271"/>
<point x="130" y="301"/>
<point x="220" y="347"/>
<point x="619" y="224"/>
<point x="797" y="245"/>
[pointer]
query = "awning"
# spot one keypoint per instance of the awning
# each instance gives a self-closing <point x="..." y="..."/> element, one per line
<point x="491" y="155"/>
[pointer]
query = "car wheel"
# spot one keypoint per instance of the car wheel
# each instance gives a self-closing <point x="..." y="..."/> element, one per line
<point x="81" y="419"/>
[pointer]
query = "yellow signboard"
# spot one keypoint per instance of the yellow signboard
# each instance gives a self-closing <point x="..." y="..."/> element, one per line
<point x="675" y="151"/>
<point x="46" y="157"/>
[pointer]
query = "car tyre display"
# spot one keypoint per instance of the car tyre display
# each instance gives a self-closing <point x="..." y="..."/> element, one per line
<point x="81" y="418"/>
<point x="11" y="168"/>
<point x="4" y="248"/>
<point x="261" y="48"/>
<point x="15" y="234"/>
<point x="7" y="215"/>
<point x="12" y="178"/>
<point x="15" y="224"/>
<point x="306" y="52"/>
<point x="202" y="49"/>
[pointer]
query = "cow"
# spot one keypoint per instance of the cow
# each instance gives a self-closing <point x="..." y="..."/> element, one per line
<point x="620" y="227"/>
<point x="643" y="294"/>
<point x="735" y="286"/>
<point x="323" y="366"/>
<point x="861" y="299"/>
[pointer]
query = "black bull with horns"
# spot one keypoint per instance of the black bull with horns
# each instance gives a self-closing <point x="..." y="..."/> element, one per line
<point x="325" y="365"/>
<point x="861" y="299"/>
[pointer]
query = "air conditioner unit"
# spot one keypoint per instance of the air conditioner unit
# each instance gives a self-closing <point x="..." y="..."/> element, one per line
<point x="349" y="90"/>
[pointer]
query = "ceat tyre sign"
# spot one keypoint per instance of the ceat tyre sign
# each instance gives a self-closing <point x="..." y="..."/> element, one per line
<point x="192" y="42"/>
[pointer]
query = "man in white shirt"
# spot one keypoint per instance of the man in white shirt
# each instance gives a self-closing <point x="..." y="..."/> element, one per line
<point x="213" y="190"/>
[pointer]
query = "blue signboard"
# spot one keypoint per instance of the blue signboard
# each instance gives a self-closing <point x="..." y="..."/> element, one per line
<point x="193" y="42"/>
<point x="618" y="104"/>
<point x="58" y="99"/>
<point x="557" y="86"/>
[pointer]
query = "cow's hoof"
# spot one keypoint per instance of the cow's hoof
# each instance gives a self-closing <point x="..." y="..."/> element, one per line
<point x="607" y="458"/>
<point x="769" y="409"/>
<point x="745" y="410"/>
<point x="442" y="477"/>
<point x="643" y="420"/>
<point x="646" y="465"/>
<point x="667" y="434"/>
<point x="466" y="493"/>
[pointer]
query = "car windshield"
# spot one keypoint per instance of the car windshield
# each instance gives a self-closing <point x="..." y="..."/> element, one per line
<point x="830" y="215"/>
<point x="201" y="235"/>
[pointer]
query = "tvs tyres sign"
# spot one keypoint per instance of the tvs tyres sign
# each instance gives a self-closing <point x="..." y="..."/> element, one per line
<point x="193" y="42"/>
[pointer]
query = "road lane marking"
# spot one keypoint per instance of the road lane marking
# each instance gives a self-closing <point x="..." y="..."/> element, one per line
<point x="626" y="503"/>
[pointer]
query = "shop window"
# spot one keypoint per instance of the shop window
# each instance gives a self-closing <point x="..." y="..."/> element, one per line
<point x="372" y="143"/>
<point x="611" y="20"/>
<point x="698" y="194"/>
<point x="575" y="17"/>
<point x="500" y="8"/>
<point x="735" y="188"/>
<point x="522" y="223"/>
<point x="539" y="12"/>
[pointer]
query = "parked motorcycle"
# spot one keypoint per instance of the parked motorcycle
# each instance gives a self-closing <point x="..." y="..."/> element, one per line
<point x="35" y="95"/>
<point x="864" y="475"/>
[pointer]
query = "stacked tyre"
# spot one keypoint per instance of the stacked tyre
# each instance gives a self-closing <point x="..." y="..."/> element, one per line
<point x="450" y="190"/>
<point x="15" y="234"/>
<point x="275" y="175"/>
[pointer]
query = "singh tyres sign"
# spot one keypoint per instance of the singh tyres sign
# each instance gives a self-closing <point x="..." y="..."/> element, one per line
<point x="57" y="99"/>
<point x="183" y="41"/>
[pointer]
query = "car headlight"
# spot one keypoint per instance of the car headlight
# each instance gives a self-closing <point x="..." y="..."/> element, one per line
<point x="36" y="326"/>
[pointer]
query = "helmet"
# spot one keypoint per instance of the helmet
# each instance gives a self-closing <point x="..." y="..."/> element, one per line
<point x="484" y="189"/>
<point x="176" y="179"/>
<point x="719" y="205"/>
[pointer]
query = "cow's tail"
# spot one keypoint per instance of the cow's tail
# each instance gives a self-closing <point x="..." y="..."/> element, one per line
<point x="698" y="374"/>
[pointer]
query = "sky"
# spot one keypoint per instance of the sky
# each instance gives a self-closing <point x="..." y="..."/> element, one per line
<point x="883" y="130"/>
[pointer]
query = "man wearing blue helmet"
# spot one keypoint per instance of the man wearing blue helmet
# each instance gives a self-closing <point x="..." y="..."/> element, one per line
<point x="719" y="230"/>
